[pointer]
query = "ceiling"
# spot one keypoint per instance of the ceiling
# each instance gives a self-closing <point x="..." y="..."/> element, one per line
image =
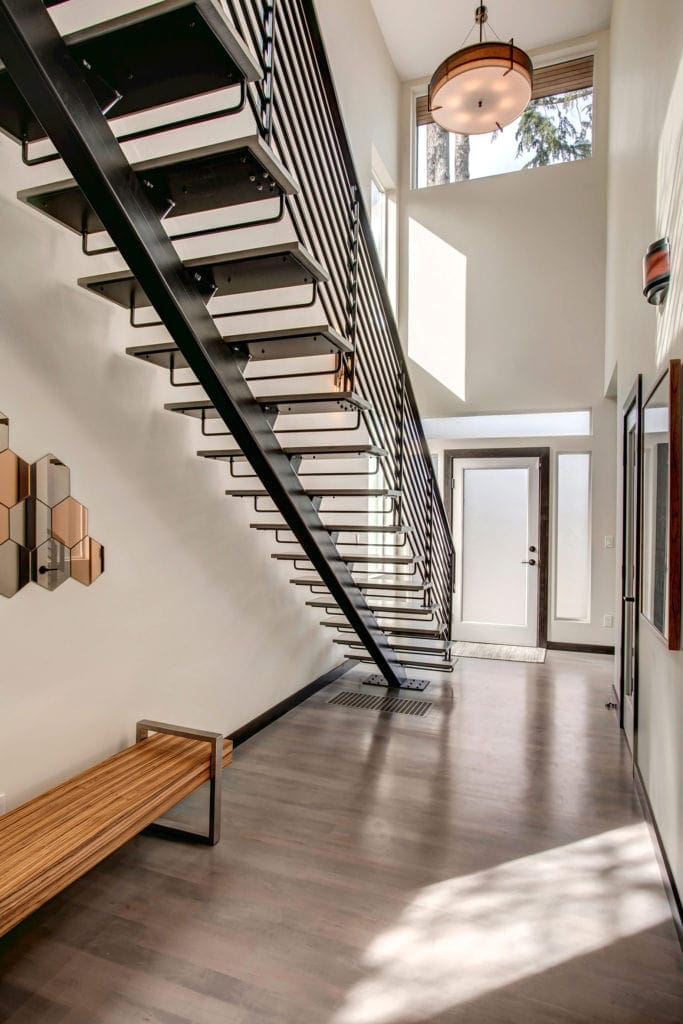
<point x="421" y="33"/>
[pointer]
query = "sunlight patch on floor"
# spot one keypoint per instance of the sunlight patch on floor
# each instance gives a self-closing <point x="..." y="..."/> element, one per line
<point x="464" y="937"/>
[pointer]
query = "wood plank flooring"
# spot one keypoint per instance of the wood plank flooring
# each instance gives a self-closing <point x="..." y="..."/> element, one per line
<point x="485" y="864"/>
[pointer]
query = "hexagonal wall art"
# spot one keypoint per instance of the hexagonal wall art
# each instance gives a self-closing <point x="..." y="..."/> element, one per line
<point x="43" y="529"/>
<point x="69" y="522"/>
<point x="50" y="480"/>
<point x="52" y="564"/>
<point x="14" y="479"/>
<point x="87" y="561"/>
<point x="15" y="568"/>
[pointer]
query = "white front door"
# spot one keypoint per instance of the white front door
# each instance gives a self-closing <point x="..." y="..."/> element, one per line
<point x="496" y="532"/>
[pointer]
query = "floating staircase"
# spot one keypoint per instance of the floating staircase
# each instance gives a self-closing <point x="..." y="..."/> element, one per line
<point x="309" y="393"/>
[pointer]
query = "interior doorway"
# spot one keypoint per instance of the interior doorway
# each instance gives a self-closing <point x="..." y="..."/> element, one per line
<point x="630" y="564"/>
<point x="499" y="510"/>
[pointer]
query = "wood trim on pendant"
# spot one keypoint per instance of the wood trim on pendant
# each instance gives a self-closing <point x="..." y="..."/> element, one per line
<point x="567" y="76"/>
<point x="543" y="456"/>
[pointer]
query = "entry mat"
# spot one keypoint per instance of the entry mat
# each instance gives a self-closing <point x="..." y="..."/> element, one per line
<point x="498" y="652"/>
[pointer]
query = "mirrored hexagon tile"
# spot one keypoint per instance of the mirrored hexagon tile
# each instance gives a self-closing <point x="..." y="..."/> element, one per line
<point x="87" y="561"/>
<point x="50" y="480"/>
<point x="4" y="432"/>
<point x="69" y="522"/>
<point x="4" y="524"/>
<point x="15" y="563"/>
<point x="30" y="522"/>
<point x="14" y="478"/>
<point x="52" y="564"/>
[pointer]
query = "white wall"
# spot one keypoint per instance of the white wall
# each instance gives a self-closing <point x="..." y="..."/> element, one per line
<point x="645" y="188"/>
<point x="192" y="622"/>
<point x="534" y="242"/>
<point x="367" y="84"/>
<point x="535" y="248"/>
<point x="603" y="518"/>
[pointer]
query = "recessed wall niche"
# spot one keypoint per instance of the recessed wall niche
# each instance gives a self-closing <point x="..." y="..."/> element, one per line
<point x="43" y="529"/>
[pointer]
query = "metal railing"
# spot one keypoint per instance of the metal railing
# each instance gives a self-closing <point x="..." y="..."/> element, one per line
<point x="298" y="112"/>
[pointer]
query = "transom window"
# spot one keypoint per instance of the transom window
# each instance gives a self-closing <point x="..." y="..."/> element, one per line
<point x="556" y="127"/>
<point x="379" y="220"/>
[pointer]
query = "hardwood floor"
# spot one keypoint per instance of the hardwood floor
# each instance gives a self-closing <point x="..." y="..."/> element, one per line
<point x="486" y="864"/>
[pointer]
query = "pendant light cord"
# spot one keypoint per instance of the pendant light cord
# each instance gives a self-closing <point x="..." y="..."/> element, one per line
<point x="467" y="36"/>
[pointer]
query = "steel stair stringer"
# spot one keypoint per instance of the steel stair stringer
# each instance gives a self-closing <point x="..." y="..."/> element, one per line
<point x="53" y="86"/>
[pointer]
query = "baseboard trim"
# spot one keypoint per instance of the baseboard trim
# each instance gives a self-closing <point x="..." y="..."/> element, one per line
<point x="245" y="732"/>
<point x="552" y="645"/>
<point x="668" y="879"/>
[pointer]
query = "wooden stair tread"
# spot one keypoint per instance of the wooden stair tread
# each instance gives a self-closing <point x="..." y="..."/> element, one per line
<point x="336" y="452"/>
<point x="213" y="177"/>
<point x="314" y="402"/>
<point x="407" y="631"/>
<point x="322" y="492"/>
<point x="284" y="265"/>
<point x="337" y="528"/>
<point x="370" y="584"/>
<point x="287" y="556"/>
<point x="200" y="45"/>
<point x="282" y="344"/>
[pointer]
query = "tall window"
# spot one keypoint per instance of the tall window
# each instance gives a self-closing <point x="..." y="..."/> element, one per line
<point x="573" y="561"/>
<point x="556" y="127"/>
<point x="379" y="221"/>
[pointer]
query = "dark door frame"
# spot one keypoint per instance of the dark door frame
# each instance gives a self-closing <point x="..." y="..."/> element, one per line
<point x="543" y="456"/>
<point x="633" y="401"/>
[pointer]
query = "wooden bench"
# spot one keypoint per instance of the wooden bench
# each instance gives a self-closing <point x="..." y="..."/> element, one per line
<point x="52" y="840"/>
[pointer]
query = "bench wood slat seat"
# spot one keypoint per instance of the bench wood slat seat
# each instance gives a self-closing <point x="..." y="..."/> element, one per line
<point x="50" y="841"/>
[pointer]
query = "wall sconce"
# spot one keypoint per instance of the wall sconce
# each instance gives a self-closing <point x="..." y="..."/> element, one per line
<point x="656" y="272"/>
<point x="43" y="530"/>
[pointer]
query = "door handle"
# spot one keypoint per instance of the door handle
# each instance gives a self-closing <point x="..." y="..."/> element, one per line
<point x="532" y="561"/>
<point x="628" y="600"/>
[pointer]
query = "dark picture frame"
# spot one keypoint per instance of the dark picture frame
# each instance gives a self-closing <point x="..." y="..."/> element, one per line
<point x="662" y="456"/>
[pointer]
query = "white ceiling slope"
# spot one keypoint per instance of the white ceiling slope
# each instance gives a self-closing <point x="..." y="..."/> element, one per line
<point x="421" y="33"/>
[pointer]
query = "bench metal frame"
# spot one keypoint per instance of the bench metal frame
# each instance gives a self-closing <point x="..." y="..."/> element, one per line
<point x="176" y="829"/>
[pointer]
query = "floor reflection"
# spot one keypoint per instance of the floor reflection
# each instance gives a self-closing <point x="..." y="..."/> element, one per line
<point x="465" y="937"/>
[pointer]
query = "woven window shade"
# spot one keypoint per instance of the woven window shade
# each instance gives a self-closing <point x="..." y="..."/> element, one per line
<point x="566" y="77"/>
<point x="422" y="115"/>
<point x="557" y="78"/>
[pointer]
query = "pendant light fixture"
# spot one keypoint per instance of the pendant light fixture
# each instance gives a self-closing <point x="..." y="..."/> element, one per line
<point x="481" y="88"/>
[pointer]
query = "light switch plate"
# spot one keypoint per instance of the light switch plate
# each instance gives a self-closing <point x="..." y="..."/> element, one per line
<point x="609" y="541"/>
<point x="608" y="621"/>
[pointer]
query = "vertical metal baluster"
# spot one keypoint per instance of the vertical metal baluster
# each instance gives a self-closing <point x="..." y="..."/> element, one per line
<point x="430" y="526"/>
<point x="352" y="301"/>
<point x="269" y="61"/>
<point x="400" y="442"/>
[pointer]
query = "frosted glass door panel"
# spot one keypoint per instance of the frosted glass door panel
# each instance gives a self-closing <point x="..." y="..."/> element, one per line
<point x="495" y="527"/>
<point x="495" y="531"/>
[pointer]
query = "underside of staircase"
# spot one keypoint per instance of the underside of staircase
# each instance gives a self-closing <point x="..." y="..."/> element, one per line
<point x="251" y="275"/>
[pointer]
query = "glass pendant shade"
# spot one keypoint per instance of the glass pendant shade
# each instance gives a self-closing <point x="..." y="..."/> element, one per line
<point x="481" y="88"/>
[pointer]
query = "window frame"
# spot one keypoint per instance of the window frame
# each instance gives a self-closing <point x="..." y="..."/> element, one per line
<point x="382" y="245"/>
<point x="545" y="62"/>
<point x="559" y="453"/>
